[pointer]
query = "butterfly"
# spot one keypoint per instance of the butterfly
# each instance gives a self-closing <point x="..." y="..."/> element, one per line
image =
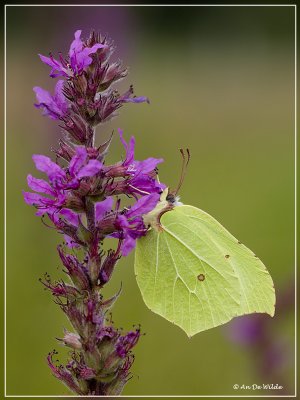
<point x="194" y="273"/>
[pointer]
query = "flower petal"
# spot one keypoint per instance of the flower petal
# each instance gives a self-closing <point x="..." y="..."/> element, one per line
<point x="79" y="55"/>
<point x="128" y="245"/>
<point x="33" y="199"/>
<point x="46" y="165"/>
<point x="144" y="205"/>
<point x="147" y="166"/>
<point x="78" y="160"/>
<point x="102" y="207"/>
<point x="129" y="148"/>
<point x="144" y="184"/>
<point x="42" y="95"/>
<point x="54" y="106"/>
<point x="70" y="216"/>
<point x="141" y="99"/>
<point x="91" y="169"/>
<point x="57" y="67"/>
<point x="77" y="43"/>
<point x="40" y="186"/>
<point x="60" y="98"/>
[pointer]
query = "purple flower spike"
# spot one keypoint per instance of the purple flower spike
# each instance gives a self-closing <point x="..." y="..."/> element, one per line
<point x="82" y="199"/>
<point x="55" y="107"/>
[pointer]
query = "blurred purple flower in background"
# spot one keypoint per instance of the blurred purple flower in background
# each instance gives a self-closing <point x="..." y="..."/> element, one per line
<point x="271" y="352"/>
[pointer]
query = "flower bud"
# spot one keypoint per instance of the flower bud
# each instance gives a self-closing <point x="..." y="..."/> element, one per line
<point x="108" y="266"/>
<point x="65" y="151"/>
<point x="75" y="269"/>
<point x="72" y="340"/>
<point x="74" y="202"/>
<point x="76" y="128"/>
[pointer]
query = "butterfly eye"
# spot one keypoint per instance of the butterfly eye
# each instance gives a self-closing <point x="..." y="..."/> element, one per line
<point x="171" y="198"/>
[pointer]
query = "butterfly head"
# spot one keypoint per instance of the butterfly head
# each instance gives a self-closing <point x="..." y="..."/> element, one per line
<point x="173" y="199"/>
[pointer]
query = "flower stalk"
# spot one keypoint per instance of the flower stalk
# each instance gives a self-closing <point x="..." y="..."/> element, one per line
<point x="82" y="199"/>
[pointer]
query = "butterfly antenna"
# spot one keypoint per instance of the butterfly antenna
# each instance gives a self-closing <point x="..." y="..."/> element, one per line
<point x="185" y="161"/>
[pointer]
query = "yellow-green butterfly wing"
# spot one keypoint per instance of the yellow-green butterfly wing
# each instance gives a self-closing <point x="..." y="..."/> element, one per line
<point x="194" y="273"/>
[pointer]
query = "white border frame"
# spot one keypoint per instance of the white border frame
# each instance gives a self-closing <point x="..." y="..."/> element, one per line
<point x="295" y="198"/>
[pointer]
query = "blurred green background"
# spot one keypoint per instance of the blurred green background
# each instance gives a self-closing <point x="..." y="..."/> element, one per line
<point x="221" y="82"/>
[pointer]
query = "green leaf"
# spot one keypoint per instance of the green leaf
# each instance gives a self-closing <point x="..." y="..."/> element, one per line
<point x="194" y="273"/>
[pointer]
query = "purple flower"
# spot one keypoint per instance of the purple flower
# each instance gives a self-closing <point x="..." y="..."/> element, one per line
<point x="102" y="207"/>
<point x="127" y="342"/>
<point x="76" y="270"/>
<point x="140" y="175"/>
<point x="143" y="206"/>
<point x="79" y="58"/>
<point x="43" y="204"/>
<point x="135" y="99"/>
<point x="60" y="180"/>
<point x="128" y="97"/>
<point x="137" y="168"/>
<point x="79" y="167"/>
<point x="126" y="225"/>
<point x="67" y="221"/>
<point x="106" y="332"/>
<point x="60" y="373"/>
<point x="131" y="226"/>
<point x="80" y="55"/>
<point x="56" y="106"/>
<point x="70" y="216"/>
<point x="107" y="103"/>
